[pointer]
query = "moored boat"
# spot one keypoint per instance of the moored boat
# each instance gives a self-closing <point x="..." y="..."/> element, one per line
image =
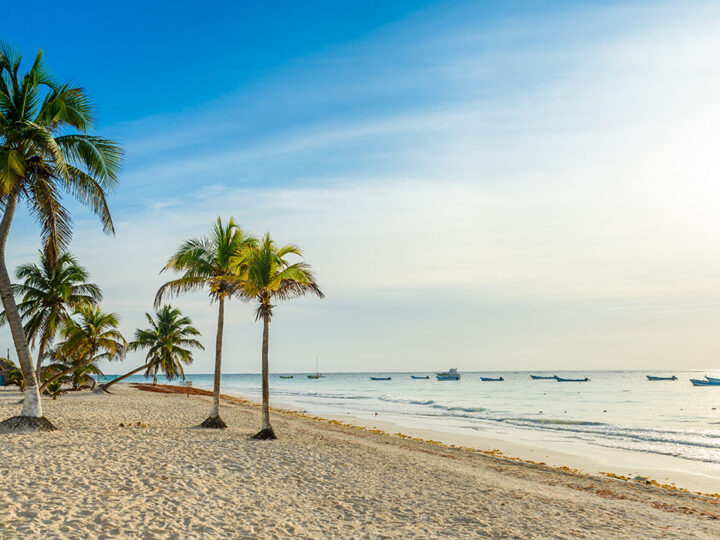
<point x="419" y="376"/>
<point x="701" y="382"/>
<point x="654" y="378"/>
<point x="450" y="375"/>
<point x="560" y="379"/>
<point x="317" y="374"/>
<point x="381" y="378"/>
<point x="491" y="379"/>
<point x="712" y="379"/>
<point x="543" y="377"/>
<point x="286" y="376"/>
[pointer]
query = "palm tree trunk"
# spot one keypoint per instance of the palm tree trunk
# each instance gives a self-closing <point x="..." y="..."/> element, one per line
<point x="214" y="420"/>
<point x="104" y="387"/>
<point x="31" y="417"/>
<point x="266" y="433"/>
<point x="56" y="377"/>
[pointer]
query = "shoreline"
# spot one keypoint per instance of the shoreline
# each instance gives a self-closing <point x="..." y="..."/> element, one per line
<point x="134" y="464"/>
<point x="606" y="462"/>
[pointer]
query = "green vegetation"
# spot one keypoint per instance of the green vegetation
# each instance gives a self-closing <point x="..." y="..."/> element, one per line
<point x="46" y="149"/>
<point x="209" y="262"/>
<point x="89" y="338"/>
<point x="169" y="341"/>
<point x="47" y="296"/>
<point x="268" y="277"/>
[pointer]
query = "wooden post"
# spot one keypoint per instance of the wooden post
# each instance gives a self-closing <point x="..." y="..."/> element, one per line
<point x="188" y="385"/>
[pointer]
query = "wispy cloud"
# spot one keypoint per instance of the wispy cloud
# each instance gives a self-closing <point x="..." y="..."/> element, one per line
<point x="536" y="188"/>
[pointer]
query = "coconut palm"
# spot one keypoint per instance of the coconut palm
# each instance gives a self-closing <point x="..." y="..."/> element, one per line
<point x="46" y="149"/>
<point x="269" y="277"/>
<point x="206" y="262"/>
<point x="47" y="295"/>
<point x="79" y="377"/>
<point x="57" y="387"/>
<point x="82" y="377"/>
<point x="169" y="341"/>
<point x="88" y="340"/>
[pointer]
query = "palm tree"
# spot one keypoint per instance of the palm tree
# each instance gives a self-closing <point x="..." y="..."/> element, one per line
<point x="47" y="296"/>
<point x="91" y="338"/>
<point x="270" y="277"/>
<point x="207" y="262"/>
<point x="82" y="377"/>
<point x="169" y="341"/>
<point x="45" y="149"/>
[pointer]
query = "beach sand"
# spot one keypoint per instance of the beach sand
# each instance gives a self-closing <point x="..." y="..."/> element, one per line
<point x="93" y="478"/>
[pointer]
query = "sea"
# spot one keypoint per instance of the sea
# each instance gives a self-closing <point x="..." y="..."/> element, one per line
<point x="619" y="410"/>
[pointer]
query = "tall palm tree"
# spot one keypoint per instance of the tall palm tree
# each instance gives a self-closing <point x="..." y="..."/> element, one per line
<point x="269" y="277"/>
<point x="46" y="149"/>
<point x="169" y="341"/>
<point x="207" y="262"/>
<point x="47" y="295"/>
<point x="91" y="338"/>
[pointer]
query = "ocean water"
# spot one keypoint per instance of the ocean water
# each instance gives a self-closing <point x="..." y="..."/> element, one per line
<point x="615" y="409"/>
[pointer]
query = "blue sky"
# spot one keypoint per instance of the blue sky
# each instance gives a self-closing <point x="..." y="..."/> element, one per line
<point x="499" y="185"/>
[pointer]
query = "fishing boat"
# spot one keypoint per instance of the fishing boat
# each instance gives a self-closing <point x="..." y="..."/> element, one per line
<point x="419" y="376"/>
<point x="286" y="376"/>
<point x="560" y="379"/>
<point x="543" y="377"/>
<point x="317" y="374"/>
<point x="653" y="378"/>
<point x="702" y="382"/>
<point x="381" y="378"/>
<point x="450" y="375"/>
<point x="491" y="379"/>
<point x="712" y="379"/>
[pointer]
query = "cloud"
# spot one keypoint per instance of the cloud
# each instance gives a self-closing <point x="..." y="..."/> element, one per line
<point x="522" y="197"/>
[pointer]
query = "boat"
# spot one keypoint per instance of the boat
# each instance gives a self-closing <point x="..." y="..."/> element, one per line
<point x="701" y="382"/>
<point x="712" y="379"/>
<point x="653" y="378"/>
<point x="381" y="378"/>
<point x="543" y="377"/>
<point x="491" y="379"/>
<point x="286" y="376"/>
<point x="317" y="374"/>
<point x="450" y="375"/>
<point x="419" y="376"/>
<point x="560" y="379"/>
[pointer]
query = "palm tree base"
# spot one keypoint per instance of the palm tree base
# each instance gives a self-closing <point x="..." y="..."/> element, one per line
<point x="266" y="434"/>
<point x="19" y="424"/>
<point x="213" y="422"/>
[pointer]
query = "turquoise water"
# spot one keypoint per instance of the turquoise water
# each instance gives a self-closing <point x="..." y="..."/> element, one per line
<point x="615" y="409"/>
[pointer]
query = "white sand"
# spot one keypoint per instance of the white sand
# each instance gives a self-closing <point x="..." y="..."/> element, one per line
<point x="694" y="476"/>
<point x="95" y="479"/>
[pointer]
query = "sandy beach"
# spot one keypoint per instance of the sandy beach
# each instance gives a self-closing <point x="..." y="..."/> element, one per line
<point x="165" y="479"/>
